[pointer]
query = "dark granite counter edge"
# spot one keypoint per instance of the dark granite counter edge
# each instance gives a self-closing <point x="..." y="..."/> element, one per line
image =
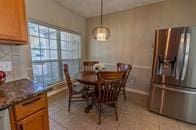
<point x="26" y="98"/>
<point x="32" y="95"/>
<point x="4" y="107"/>
<point x="27" y="90"/>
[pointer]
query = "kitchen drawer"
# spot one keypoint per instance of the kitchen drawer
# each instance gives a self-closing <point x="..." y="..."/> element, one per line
<point x="36" y="121"/>
<point x="30" y="106"/>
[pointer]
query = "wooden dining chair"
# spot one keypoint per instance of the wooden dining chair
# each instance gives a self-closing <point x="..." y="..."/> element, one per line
<point x="77" y="92"/>
<point x="109" y="86"/>
<point x="88" y="65"/>
<point x="126" y="68"/>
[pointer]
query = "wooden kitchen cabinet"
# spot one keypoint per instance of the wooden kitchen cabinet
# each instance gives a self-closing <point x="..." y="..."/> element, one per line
<point x="13" y="22"/>
<point x="37" y="121"/>
<point x="31" y="114"/>
<point x="30" y="106"/>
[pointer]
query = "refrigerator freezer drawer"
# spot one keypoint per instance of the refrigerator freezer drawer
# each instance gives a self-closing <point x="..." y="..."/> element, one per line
<point x="175" y="103"/>
<point x="155" y="99"/>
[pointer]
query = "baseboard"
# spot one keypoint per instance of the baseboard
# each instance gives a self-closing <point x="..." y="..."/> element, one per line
<point x="57" y="89"/>
<point x="137" y="91"/>
<point x="53" y="92"/>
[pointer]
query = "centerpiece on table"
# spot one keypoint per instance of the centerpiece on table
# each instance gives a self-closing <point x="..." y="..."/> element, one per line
<point x="2" y="77"/>
<point x="99" y="67"/>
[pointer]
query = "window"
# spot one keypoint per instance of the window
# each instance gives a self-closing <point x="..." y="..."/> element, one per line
<point x="50" y="49"/>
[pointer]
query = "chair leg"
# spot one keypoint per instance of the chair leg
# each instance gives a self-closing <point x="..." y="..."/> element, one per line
<point x="87" y="100"/>
<point x="100" y="111"/>
<point x="116" y="112"/>
<point x="69" y="105"/>
<point x="89" y="107"/>
<point x="125" y="97"/>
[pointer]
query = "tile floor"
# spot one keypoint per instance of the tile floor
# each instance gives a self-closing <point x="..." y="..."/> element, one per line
<point x="133" y="115"/>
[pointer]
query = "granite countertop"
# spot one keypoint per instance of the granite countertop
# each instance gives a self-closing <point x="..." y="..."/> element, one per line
<point x="17" y="91"/>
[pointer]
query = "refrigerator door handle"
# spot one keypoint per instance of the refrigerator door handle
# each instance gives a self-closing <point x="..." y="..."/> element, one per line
<point x="186" y="56"/>
<point x="174" y="89"/>
<point x="180" y="56"/>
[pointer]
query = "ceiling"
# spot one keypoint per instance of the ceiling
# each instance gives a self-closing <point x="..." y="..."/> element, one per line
<point x="91" y="8"/>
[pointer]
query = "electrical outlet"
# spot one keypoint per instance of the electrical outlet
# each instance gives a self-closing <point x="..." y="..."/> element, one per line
<point x="6" y="66"/>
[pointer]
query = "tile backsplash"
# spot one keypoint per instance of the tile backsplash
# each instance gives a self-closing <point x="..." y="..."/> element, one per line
<point x="13" y="54"/>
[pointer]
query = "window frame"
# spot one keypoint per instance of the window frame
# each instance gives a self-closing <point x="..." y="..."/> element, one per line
<point x="58" y="39"/>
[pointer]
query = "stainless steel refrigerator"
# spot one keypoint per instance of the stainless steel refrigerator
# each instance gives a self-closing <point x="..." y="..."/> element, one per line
<point x="173" y="85"/>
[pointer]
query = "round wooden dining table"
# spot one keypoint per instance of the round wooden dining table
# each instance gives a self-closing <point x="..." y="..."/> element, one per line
<point x="87" y="77"/>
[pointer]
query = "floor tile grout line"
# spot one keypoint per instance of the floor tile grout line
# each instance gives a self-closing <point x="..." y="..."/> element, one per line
<point x="54" y="121"/>
<point x="54" y="113"/>
<point x="159" y="125"/>
<point x="67" y="119"/>
<point x="58" y="123"/>
<point x="179" y="125"/>
<point x="60" y="108"/>
<point x="121" y="119"/>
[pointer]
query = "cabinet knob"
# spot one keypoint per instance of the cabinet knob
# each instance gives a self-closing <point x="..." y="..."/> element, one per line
<point x="20" y="127"/>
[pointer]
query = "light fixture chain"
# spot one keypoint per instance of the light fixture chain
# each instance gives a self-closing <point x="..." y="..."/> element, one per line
<point x="101" y="33"/>
<point x="101" y="12"/>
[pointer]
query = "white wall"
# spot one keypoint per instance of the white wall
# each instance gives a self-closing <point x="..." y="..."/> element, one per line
<point x="132" y="36"/>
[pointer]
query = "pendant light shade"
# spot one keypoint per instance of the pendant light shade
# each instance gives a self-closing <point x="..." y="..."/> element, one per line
<point x="101" y="33"/>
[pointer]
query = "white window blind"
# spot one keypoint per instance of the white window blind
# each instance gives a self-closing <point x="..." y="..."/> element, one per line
<point x="50" y="49"/>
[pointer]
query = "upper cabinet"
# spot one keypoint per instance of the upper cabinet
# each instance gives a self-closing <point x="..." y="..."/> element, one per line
<point x="13" y="22"/>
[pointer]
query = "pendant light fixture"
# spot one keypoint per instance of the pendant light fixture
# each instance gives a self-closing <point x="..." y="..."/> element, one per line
<point x="101" y="33"/>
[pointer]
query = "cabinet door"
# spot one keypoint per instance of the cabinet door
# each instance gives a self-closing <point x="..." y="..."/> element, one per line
<point x="13" y="26"/>
<point x="37" y="121"/>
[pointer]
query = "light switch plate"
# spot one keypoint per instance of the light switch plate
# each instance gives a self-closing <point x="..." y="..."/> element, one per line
<point x="6" y="66"/>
